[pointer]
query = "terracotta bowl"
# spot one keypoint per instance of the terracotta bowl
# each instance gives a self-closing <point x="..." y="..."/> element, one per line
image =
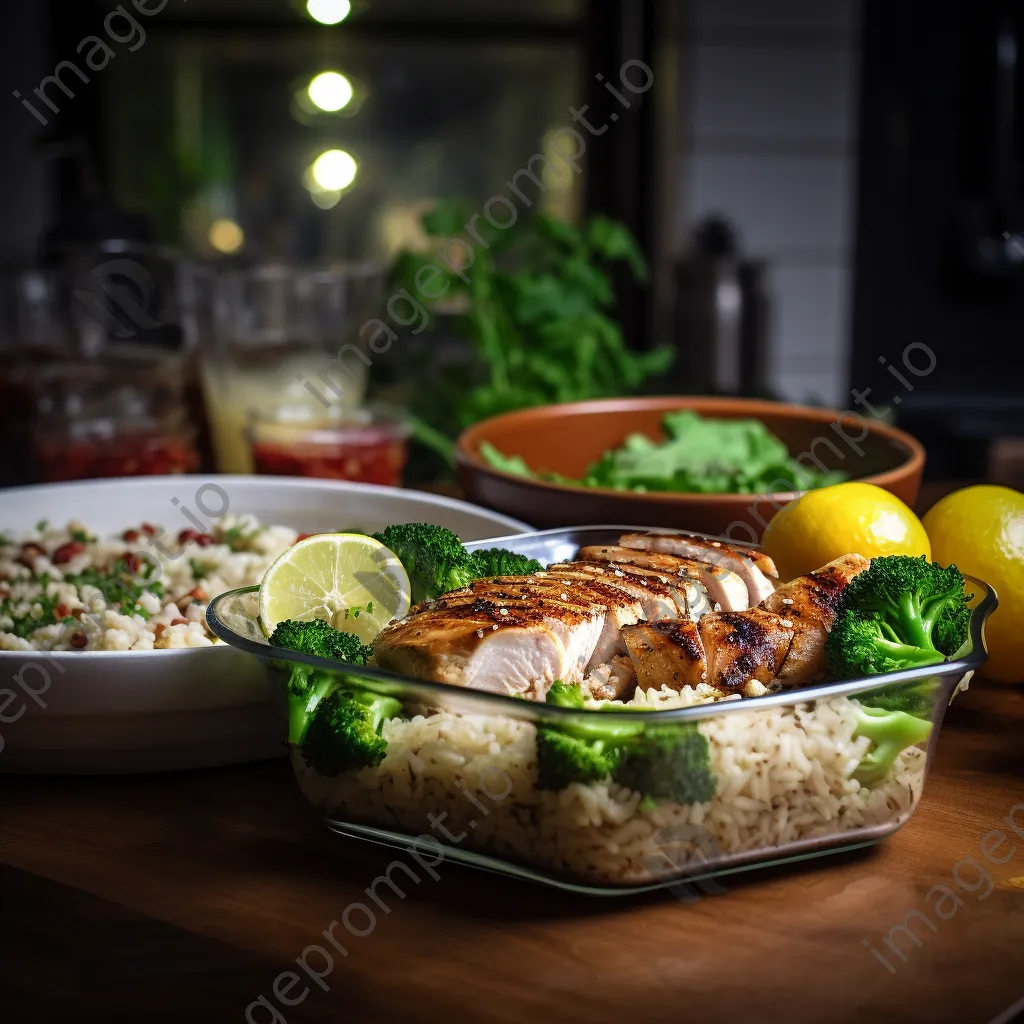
<point x="567" y="438"/>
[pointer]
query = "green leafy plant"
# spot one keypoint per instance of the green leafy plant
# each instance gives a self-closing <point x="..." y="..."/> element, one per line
<point x="533" y="301"/>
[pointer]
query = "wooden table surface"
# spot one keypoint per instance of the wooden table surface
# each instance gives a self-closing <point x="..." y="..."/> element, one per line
<point x="181" y="897"/>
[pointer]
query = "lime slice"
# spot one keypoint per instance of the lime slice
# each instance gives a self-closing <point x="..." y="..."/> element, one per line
<point x="351" y="581"/>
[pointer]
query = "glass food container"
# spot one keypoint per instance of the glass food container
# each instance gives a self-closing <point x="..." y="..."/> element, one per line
<point x="368" y="445"/>
<point x="738" y="783"/>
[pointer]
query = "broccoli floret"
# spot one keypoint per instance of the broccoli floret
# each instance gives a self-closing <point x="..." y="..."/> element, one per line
<point x="865" y="644"/>
<point x="901" y="612"/>
<point x="322" y="639"/>
<point x="345" y="731"/>
<point x="890" y="733"/>
<point x="663" y="762"/>
<point x="433" y="557"/>
<point x="669" y="762"/>
<point x="307" y="686"/>
<point x="500" y="562"/>
<point x="577" y="752"/>
<point x="562" y="759"/>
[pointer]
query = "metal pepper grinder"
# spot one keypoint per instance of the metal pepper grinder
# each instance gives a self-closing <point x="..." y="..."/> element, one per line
<point x="722" y="315"/>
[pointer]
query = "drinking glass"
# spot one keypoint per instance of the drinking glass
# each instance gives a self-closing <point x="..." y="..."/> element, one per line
<point x="285" y="339"/>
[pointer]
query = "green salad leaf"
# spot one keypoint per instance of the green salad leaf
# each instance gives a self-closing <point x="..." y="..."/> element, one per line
<point x="697" y="456"/>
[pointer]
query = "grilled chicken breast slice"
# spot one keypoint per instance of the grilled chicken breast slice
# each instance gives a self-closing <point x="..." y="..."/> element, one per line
<point x="667" y="653"/>
<point x="576" y="619"/>
<point x="723" y="586"/>
<point x="810" y="602"/>
<point x="740" y="646"/>
<point x="752" y="567"/>
<point x="549" y="594"/>
<point x="622" y="609"/>
<point x="664" y="595"/>
<point x="517" y="655"/>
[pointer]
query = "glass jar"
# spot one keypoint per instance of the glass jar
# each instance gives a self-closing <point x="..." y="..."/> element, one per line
<point x="369" y="445"/>
<point x="110" y="418"/>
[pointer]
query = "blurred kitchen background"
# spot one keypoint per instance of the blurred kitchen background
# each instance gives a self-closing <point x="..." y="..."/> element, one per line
<point x="828" y="194"/>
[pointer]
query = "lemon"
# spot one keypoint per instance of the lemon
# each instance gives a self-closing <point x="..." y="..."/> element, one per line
<point x="353" y="582"/>
<point x="981" y="530"/>
<point x="832" y="521"/>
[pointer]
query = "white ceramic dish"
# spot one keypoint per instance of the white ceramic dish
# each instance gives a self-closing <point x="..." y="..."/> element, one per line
<point x="136" y="711"/>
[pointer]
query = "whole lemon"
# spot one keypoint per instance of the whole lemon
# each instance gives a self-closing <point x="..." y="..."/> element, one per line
<point x="832" y="521"/>
<point x="981" y="530"/>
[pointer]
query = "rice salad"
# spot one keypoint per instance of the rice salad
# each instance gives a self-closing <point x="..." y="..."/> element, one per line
<point x="66" y="589"/>
<point x="783" y="774"/>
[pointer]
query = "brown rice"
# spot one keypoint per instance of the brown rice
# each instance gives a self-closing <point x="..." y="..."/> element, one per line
<point x="784" y="773"/>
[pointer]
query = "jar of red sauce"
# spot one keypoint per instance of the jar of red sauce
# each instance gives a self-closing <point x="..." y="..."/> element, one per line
<point x="106" y="418"/>
<point x="368" y="445"/>
<point x="109" y="454"/>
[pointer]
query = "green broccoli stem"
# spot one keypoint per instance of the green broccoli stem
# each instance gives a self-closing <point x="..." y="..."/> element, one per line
<point x="379" y="707"/>
<point x="303" y="702"/>
<point x="913" y="657"/>
<point x="933" y="609"/>
<point x="915" y="629"/>
<point x="890" y="733"/>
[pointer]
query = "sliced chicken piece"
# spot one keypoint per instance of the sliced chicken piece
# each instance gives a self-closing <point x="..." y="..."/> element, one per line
<point x="745" y="645"/>
<point x="576" y="619"/>
<point x="507" y="635"/>
<point x="666" y="654"/>
<point x="724" y="587"/>
<point x="663" y="595"/>
<point x="810" y="603"/>
<point x="623" y="608"/>
<point x="510" y="588"/>
<point x="519" y="655"/>
<point x="751" y="566"/>
<point x="520" y="592"/>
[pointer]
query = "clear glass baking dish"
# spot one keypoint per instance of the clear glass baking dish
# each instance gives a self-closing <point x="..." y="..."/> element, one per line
<point x="793" y="774"/>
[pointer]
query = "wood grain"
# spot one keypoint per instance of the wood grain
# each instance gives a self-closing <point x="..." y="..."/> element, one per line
<point x="181" y="897"/>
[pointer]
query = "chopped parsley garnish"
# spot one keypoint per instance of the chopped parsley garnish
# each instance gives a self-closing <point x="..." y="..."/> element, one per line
<point x="198" y="572"/>
<point x="120" y="587"/>
<point x="42" y="525"/>
<point x="25" y="624"/>
<point x="235" y="538"/>
<point x="82" y="537"/>
<point x="355" y="610"/>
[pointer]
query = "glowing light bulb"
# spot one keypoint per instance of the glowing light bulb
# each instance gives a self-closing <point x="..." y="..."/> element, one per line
<point x="330" y="91"/>
<point x="225" y="236"/>
<point x="334" y="170"/>
<point x="328" y="12"/>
